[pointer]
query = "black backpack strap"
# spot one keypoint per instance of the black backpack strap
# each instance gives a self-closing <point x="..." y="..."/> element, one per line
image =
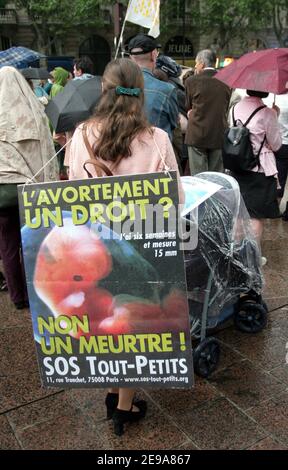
<point x="253" y="114"/>
<point x="233" y="116"/>
<point x="262" y="143"/>
<point x="259" y="151"/>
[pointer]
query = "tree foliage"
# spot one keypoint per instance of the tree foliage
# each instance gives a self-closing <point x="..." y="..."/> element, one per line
<point x="277" y="11"/>
<point x="224" y="19"/>
<point x="229" y="19"/>
<point x="52" y="19"/>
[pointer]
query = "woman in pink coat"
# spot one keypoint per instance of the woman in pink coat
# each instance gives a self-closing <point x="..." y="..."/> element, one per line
<point x="259" y="186"/>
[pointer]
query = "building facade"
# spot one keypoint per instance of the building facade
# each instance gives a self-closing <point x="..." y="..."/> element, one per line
<point x="180" y="36"/>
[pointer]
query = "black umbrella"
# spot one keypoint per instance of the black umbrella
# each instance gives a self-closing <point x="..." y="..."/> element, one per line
<point x="74" y="104"/>
<point x="33" y="73"/>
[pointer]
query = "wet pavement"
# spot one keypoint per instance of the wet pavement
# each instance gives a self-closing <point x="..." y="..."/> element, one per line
<point x="243" y="405"/>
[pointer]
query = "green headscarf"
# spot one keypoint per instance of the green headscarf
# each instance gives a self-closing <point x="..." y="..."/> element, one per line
<point x="60" y="76"/>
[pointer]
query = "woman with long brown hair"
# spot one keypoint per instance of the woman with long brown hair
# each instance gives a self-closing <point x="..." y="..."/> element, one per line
<point x="120" y="140"/>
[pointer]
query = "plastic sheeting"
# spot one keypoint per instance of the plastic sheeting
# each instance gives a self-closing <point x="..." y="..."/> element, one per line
<point x="227" y="253"/>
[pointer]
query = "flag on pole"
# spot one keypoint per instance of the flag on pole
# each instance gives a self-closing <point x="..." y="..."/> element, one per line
<point x="146" y="14"/>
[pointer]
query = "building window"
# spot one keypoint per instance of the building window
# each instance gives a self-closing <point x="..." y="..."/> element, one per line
<point x="5" y="43"/>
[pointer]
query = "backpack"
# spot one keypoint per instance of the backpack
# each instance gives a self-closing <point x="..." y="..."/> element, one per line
<point x="237" y="151"/>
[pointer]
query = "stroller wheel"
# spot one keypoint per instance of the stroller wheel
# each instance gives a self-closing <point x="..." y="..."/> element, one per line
<point x="206" y="357"/>
<point x="250" y="317"/>
<point x="255" y="299"/>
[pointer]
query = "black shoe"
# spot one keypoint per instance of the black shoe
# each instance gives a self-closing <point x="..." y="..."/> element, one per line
<point x="285" y="216"/>
<point x="3" y="286"/>
<point x="120" y="417"/>
<point x="3" y="283"/>
<point x="21" y="305"/>
<point x="285" y="213"/>
<point x="111" y="402"/>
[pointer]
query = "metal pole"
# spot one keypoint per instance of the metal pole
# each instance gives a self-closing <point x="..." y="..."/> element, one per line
<point x="184" y="28"/>
<point x="120" y="39"/>
<point x="122" y="31"/>
<point x="116" y="21"/>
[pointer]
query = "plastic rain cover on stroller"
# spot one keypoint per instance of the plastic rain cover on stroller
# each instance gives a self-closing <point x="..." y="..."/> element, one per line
<point x="225" y="265"/>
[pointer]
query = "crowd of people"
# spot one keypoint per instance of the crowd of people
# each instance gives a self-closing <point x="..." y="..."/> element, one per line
<point x="151" y="117"/>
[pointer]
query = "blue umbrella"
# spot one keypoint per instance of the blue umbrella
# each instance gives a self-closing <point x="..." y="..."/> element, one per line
<point x="19" y="57"/>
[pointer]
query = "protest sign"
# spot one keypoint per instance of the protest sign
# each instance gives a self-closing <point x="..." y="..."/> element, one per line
<point x="106" y="282"/>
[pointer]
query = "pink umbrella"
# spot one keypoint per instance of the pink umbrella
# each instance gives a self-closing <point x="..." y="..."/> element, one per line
<point x="265" y="70"/>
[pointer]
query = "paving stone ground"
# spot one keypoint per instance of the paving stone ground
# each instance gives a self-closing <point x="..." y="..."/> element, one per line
<point x="243" y="405"/>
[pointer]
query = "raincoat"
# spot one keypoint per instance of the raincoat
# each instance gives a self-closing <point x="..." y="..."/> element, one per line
<point x="60" y="76"/>
<point x="26" y="144"/>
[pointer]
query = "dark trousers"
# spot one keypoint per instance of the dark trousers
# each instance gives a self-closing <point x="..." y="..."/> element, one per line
<point x="282" y="167"/>
<point x="204" y="160"/>
<point x="10" y="243"/>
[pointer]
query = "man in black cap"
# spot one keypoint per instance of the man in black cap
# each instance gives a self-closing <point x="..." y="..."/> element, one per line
<point x="160" y="98"/>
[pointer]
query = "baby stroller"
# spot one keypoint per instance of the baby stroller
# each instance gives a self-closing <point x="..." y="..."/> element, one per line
<point x="223" y="272"/>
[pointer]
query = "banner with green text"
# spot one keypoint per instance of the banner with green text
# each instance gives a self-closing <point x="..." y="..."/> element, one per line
<point x="106" y="282"/>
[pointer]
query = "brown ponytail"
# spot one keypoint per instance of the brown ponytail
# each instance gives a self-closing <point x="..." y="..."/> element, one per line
<point x="120" y="116"/>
